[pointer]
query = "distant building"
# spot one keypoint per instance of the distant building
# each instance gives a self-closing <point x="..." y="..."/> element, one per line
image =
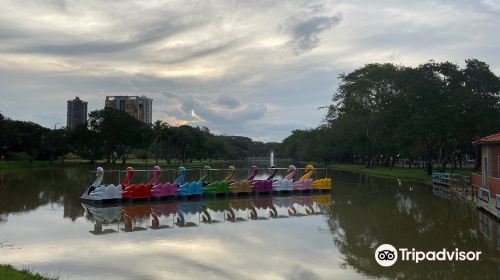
<point x="148" y="109"/>
<point x="76" y="112"/>
<point x="139" y="107"/>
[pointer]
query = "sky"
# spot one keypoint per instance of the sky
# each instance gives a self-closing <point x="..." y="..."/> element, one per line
<point x="253" y="68"/>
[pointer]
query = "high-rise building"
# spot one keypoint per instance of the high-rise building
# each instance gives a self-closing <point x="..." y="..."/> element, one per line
<point x="76" y="112"/>
<point x="139" y="107"/>
<point x="148" y="108"/>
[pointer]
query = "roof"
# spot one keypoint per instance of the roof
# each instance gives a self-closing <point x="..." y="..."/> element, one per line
<point x="490" y="139"/>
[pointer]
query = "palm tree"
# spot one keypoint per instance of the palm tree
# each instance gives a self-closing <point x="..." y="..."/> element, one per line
<point x="157" y="136"/>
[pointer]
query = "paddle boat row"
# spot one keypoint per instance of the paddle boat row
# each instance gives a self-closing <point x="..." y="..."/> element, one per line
<point x="153" y="189"/>
<point x="157" y="214"/>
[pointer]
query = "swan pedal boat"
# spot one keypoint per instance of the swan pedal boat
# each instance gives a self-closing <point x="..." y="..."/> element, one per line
<point x="285" y="184"/>
<point x="163" y="190"/>
<point x="305" y="183"/>
<point x="239" y="187"/>
<point x="193" y="189"/>
<point x="97" y="193"/>
<point x="101" y="193"/>
<point x="324" y="184"/>
<point x="141" y="191"/>
<point x="222" y="187"/>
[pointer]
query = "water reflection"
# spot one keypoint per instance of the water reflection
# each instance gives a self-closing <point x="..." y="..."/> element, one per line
<point x="267" y="237"/>
<point x="406" y="217"/>
<point x="192" y="213"/>
<point x="441" y="191"/>
<point x="26" y="190"/>
<point x="489" y="228"/>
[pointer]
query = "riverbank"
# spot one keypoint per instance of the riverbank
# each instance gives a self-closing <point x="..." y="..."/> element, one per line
<point x="417" y="174"/>
<point x="9" y="272"/>
<point x="15" y="165"/>
<point x="20" y="164"/>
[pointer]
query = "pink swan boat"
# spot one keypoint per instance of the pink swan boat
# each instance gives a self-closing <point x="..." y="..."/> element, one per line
<point x="305" y="182"/>
<point x="162" y="190"/>
<point x="260" y="186"/>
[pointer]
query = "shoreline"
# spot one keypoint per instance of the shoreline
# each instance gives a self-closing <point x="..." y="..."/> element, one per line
<point x="16" y="165"/>
<point x="414" y="174"/>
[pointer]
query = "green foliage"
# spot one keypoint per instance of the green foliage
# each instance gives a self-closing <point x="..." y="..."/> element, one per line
<point x="21" y="136"/>
<point x="381" y="112"/>
<point x="186" y="143"/>
<point x="114" y="135"/>
<point x="8" y="272"/>
<point x="118" y="132"/>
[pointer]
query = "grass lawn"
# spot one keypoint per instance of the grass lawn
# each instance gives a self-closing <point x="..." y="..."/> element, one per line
<point x="18" y="164"/>
<point x="15" y="164"/>
<point x="10" y="273"/>
<point x="173" y="163"/>
<point x="398" y="172"/>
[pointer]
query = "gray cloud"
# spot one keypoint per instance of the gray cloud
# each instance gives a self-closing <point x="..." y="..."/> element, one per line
<point x="306" y="26"/>
<point x="227" y="102"/>
<point x="200" y="112"/>
<point x="305" y="32"/>
<point x="258" y="69"/>
<point x="183" y="54"/>
<point x="143" y="34"/>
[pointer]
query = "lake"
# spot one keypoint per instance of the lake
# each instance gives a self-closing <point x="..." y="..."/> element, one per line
<point x="45" y="227"/>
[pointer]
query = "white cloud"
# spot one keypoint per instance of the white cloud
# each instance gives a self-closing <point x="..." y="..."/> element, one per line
<point x="228" y="61"/>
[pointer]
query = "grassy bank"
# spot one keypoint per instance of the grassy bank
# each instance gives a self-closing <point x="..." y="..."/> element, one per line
<point x="8" y="272"/>
<point x="396" y="172"/>
<point x="19" y="164"/>
<point x="13" y="165"/>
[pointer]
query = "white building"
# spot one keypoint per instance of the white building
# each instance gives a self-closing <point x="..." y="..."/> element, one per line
<point x="148" y="109"/>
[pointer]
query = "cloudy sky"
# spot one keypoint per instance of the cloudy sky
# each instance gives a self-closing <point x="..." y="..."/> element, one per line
<point x="252" y="68"/>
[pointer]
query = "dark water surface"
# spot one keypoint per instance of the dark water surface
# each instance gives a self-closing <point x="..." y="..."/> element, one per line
<point x="44" y="227"/>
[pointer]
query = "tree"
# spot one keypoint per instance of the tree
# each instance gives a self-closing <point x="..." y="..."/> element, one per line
<point x="86" y="142"/>
<point x="157" y="137"/>
<point x="382" y="112"/>
<point x="118" y="131"/>
<point x="21" y="136"/>
<point x="365" y="96"/>
<point x="55" y="144"/>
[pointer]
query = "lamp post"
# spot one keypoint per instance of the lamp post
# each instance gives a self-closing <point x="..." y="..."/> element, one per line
<point x="55" y="125"/>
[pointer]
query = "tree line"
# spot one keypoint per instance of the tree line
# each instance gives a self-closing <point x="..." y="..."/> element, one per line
<point x="382" y="113"/>
<point x="114" y="136"/>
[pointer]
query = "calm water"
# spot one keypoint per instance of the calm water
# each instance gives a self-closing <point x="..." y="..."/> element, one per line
<point x="44" y="226"/>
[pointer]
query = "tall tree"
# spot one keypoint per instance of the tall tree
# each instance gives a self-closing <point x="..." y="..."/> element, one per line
<point x="119" y="132"/>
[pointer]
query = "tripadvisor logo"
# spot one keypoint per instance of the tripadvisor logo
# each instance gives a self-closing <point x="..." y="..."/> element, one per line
<point x="387" y="255"/>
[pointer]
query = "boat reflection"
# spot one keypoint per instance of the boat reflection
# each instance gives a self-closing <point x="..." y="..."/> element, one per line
<point x="104" y="216"/>
<point x="161" y="212"/>
<point x="135" y="216"/>
<point x="192" y="213"/>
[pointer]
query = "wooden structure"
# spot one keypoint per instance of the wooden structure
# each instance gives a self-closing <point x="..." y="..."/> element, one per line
<point x="487" y="182"/>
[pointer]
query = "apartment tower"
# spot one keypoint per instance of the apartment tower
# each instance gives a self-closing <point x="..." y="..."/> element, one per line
<point x="76" y="112"/>
<point x="139" y="107"/>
